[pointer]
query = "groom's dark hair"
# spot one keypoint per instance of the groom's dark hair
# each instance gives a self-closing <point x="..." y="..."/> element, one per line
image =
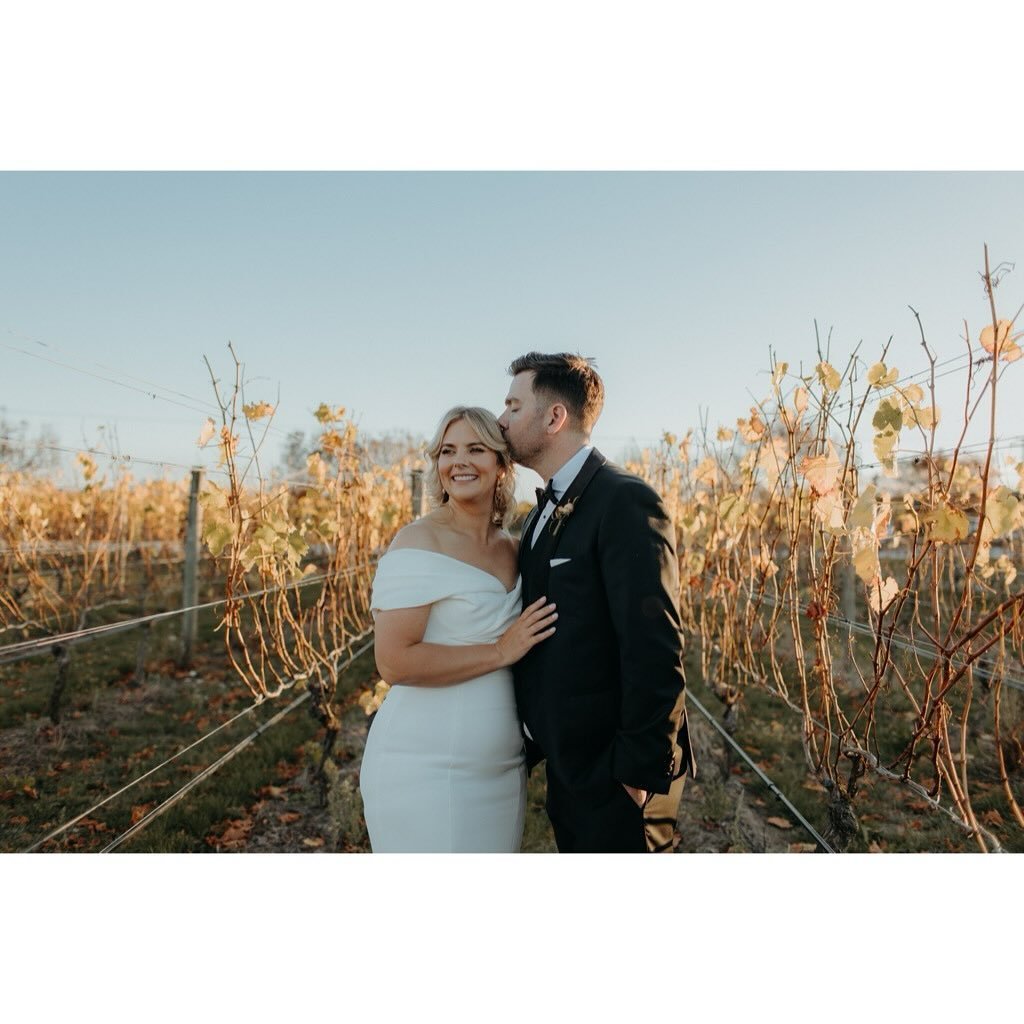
<point x="567" y="378"/>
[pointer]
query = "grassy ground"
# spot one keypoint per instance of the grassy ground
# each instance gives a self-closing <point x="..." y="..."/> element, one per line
<point x="266" y="799"/>
<point x="890" y="816"/>
<point x="114" y="728"/>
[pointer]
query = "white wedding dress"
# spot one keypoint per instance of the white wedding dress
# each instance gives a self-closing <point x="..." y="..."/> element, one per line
<point x="443" y="770"/>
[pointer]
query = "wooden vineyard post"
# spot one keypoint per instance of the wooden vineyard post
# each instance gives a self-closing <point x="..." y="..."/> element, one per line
<point x="190" y="590"/>
<point x="416" y="488"/>
<point x="849" y="582"/>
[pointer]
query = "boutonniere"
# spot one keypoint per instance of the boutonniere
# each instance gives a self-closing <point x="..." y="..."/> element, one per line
<point x="559" y="516"/>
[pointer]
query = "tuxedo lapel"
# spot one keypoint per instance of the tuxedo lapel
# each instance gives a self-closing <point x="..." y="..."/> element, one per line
<point x="524" y="538"/>
<point x="537" y="560"/>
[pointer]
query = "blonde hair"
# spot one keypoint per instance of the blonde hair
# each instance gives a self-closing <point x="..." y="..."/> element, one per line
<point x="485" y="425"/>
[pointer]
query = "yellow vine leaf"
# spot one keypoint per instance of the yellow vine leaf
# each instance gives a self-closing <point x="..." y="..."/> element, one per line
<point x="927" y="417"/>
<point x="751" y="430"/>
<point x="209" y="428"/>
<point x="772" y="460"/>
<point x="865" y="559"/>
<point x="1008" y="569"/>
<point x="800" y="400"/>
<point x="332" y="441"/>
<point x="725" y="434"/>
<point x="226" y="446"/>
<point x="1000" y="338"/>
<point x="828" y="375"/>
<point x="888" y="416"/>
<point x="821" y="471"/>
<point x="884" y="446"/>
<point x="371" y="700"/>
<point x="316" y="467"/>
<point x="881" y="595"/>
<point x="706" y="472"/>
<point x="217" y="536"/>
<point x="946" y="525"/>
<point x="250" y="555"/>
<point x="213" y="500"/>
<point x="684" y="445"/>
<point x="88" y="465"/>
<point x="257" y="410"/>
<point x="1001" y="511"/>
<point x="778" y="373"/>
<point x="906" y="522"/>
<point x="325" y="414"/>
<point x="730" y="510"/>
<point x="913" y="393"/>
<point x="829" y="511"/>
<point x="985" y="547"/>
<point x="862" y="515"/>
<point x="881" y="377"/>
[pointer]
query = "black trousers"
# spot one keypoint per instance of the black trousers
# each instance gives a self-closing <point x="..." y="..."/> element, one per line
<point x="610" y="820"/>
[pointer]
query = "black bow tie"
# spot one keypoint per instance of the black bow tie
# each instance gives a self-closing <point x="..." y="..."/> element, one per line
<point x="545" y="494"/>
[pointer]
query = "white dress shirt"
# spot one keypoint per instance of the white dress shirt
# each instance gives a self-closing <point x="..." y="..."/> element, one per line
<point x="560" y="483"/>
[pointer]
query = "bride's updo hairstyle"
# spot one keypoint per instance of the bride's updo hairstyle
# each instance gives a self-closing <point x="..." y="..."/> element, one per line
<point x="485" y="426"/>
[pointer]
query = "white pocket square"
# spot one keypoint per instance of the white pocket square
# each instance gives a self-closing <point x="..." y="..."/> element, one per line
<point x="559" y="561"/>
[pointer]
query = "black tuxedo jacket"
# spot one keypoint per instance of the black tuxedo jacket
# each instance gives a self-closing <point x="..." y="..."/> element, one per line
<point x="603" y="698"/>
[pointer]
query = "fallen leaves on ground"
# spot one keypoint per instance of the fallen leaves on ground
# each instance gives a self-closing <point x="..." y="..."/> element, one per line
<point x="139" y="811"/>
<point x="286" y="770"/>
<point x="233" y="837"/>
<point x="779" y="822"/>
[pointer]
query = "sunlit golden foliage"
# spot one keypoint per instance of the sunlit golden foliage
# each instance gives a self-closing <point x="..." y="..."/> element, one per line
<point x="778" y="528"/>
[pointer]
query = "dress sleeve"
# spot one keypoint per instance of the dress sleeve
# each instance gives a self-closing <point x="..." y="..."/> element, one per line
<point x="408" y="578"/>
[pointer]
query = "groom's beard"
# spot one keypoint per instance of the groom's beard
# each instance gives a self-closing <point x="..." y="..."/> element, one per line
<point x="526" y="452"/>
<point x="524" y="456"/>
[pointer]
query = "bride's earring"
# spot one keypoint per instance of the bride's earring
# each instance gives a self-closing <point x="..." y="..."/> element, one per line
<point x="495" y="512"/>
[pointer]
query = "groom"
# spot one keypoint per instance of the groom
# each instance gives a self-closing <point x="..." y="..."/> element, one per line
<point x="602" y="699"/>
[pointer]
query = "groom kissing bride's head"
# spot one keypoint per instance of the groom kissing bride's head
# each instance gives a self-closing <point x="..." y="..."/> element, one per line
<point x="551" y="408"/>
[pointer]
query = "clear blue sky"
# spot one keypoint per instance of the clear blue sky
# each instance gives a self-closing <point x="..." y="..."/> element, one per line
<point x="400" y="294"/>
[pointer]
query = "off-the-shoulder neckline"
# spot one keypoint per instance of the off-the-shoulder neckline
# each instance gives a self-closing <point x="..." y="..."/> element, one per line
<point x="468" y="565"/>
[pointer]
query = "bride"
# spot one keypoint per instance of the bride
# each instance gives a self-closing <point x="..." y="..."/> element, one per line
<point x="443" y="769"/>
